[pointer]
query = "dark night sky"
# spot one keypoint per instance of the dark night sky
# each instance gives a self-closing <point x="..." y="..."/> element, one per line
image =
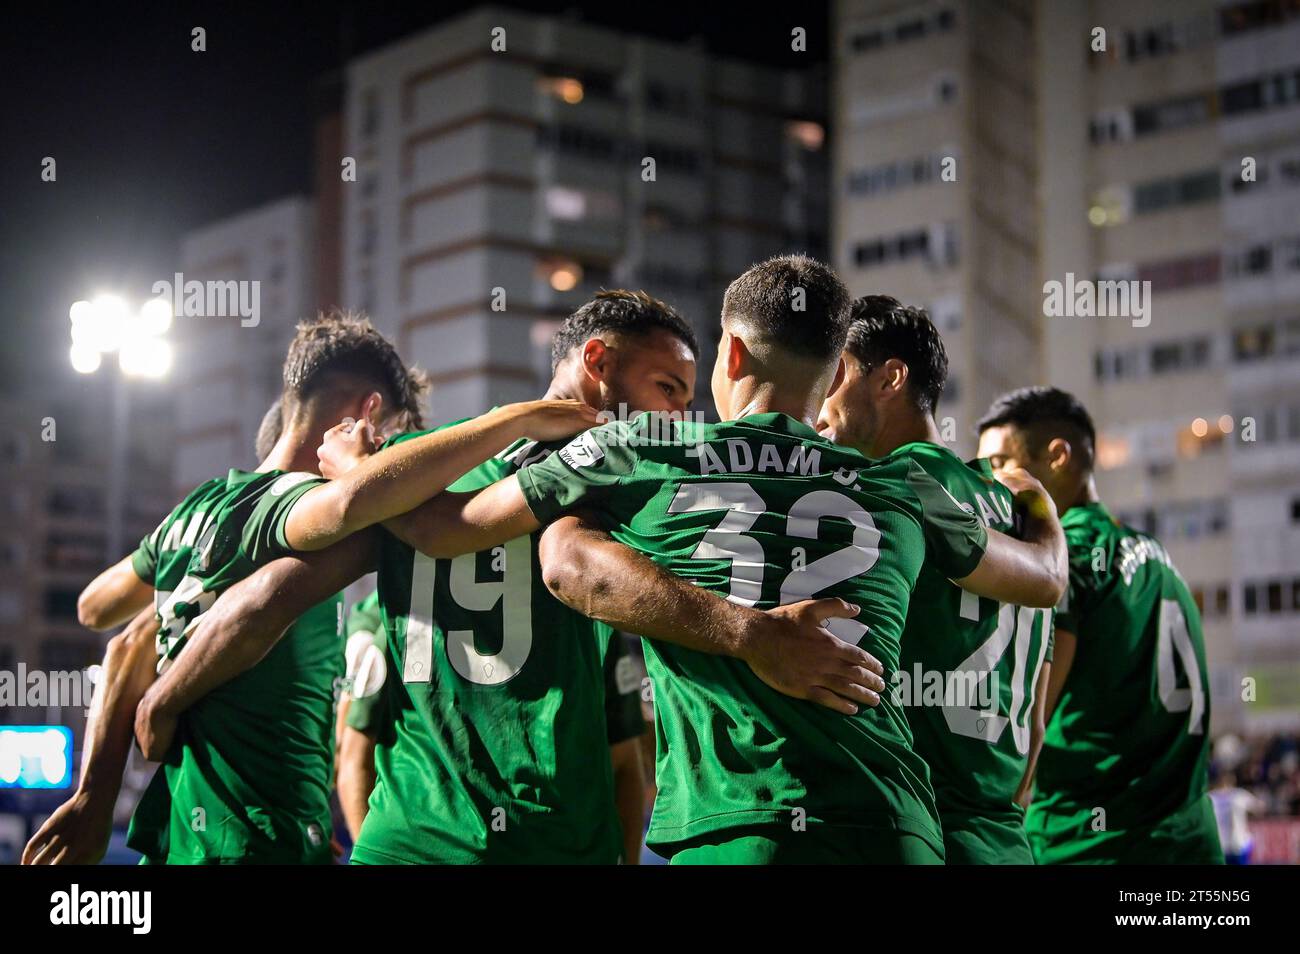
<point x="152" y="139"/>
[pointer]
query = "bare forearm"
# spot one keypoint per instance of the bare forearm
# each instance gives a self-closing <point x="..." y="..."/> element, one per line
<point x="399" y="478"/>
<point x="1037" y="730"/>
<point x="629" y="796"/>
<point x="1042" y="531"/>
<point x="602" y="579"/>
<point x="128" y="671"/>
<point x="456" y="523"/>
<point x="249" y="619"/>
<point x="113" y="597"/>
<point x="356" y="778"/>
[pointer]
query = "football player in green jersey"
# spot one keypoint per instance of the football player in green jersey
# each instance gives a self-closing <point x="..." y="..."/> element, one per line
<point x="972" y="672"/>
<point x="1122" y="778"/>
<point x="763" y="511"/>
<point x="500" y="744"/>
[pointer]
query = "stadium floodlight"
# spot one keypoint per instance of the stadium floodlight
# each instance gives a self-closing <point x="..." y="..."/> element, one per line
<point x="85" y="359"/>
<point x="105" y="324"/>
<point x="143" y="356"/>
<point x="156" y="316"/>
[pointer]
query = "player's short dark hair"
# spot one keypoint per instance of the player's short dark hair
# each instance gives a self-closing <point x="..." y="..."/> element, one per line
<point x="1039" y="411"/>
<point x="882" y="327"/>
<point x="340" y="343"/>
<point x="619" y="311"/>
<point x="767" y="298"/>
<point x="268" y="432"/>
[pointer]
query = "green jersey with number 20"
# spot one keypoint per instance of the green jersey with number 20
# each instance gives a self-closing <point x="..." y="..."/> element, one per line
<point x="1122" y="775"/>
<point x="493" y="748"/>
<point x="765" y="512"/>
<point x="969" y="669"/>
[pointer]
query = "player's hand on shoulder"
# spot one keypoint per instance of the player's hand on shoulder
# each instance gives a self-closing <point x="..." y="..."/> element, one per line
<point x="794" y="653"/>
<point x="1028" y="492"/>
<point x="345" y="445"/>
<point x="552" y="420"/>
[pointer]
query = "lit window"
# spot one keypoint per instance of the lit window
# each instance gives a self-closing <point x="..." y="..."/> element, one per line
<point x="562" y="274"/>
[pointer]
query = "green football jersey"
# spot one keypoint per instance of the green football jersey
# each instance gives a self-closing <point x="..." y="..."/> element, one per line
<point x="367" y="666"/>
<point x="969" y="669"/>
<point x="494" y="746"/>
<point x="248" y="776"/>
<point x="765" y="512"/>
<point x="1128" y="744"/>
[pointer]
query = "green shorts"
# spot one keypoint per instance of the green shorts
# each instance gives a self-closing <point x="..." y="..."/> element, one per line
<point x="817" y="845"/>
<point x="1190" y="836"/>
<point x="984" y="840"/>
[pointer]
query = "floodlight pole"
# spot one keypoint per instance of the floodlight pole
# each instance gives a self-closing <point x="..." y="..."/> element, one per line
<point x="119" y="436"/>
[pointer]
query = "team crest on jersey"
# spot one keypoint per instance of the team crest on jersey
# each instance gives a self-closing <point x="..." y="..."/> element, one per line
<point x="583" y="451"/>
<point x="288" y="481"/>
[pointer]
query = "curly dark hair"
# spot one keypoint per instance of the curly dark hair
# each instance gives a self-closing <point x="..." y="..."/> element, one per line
<point x="883" y="327"/>
<point x="338" y="343"/>
<point x="623" y="312"/>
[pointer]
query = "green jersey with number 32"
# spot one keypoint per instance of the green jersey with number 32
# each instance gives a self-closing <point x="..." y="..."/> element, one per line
<point x="765" y="512"/>
<point x="494" y="746"/>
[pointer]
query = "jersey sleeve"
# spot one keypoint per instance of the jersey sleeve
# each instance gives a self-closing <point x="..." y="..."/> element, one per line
<point x="588" y="471"/>
<point x="144" y="559"/>
<point x="366" y="668"/>
<point x="955" y="539"/>
<point x="623" y="719"/>
<point x="263" y="538"/>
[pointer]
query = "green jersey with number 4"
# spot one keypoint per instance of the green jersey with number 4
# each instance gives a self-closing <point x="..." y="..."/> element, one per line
<point x="1122" y="775"/>
<point x="765" y="512"/>
<point x="249" y="773"/>
<point x="969" y="669"/>
<point x="493" y="748"/>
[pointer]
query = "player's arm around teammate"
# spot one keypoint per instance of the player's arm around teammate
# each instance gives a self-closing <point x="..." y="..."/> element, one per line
<point x="395" y="479"/>
<point x="78" y="831"/>
<point x="114" y="596"/>
<point x="787" y="647"/>
<point x="451" y="524"/>
<point x="240" y="629"/>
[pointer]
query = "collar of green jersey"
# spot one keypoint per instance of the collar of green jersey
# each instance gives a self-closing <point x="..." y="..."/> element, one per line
<point x="1082" y="513"/>
<point x="781" y="423"/>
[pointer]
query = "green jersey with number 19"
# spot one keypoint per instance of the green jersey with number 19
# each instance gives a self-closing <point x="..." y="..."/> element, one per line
<point x="765" y="512"/>
<point x="1122" y="775"/>
<point x="969" y="669"/>
<point x="493" y="748"/>
<point x="248" y="776"/>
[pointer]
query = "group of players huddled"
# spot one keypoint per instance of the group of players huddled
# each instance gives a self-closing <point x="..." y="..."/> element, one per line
<point x="860" y="648"/>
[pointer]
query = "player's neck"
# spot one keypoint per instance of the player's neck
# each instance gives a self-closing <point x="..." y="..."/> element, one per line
<point x="766" y="398"/>
<point x="294" y="451"/>
<point x="564" y="387"/>
<point x="1088" y="495"/>
<point x="908" y="427"/>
